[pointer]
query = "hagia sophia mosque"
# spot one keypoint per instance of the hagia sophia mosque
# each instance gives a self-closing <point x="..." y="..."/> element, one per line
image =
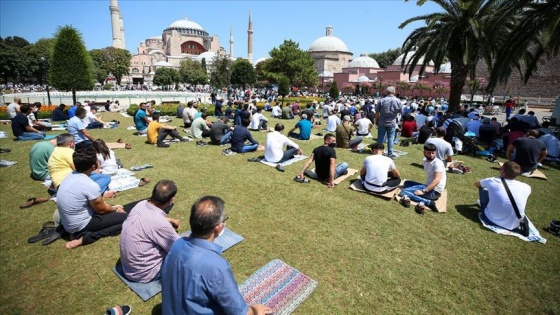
<point x="184" y="39"/>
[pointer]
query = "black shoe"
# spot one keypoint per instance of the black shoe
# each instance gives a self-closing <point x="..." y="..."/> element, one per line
<point x="53" y="236"/>
<point x="163" y="145"/>
<point x="201" y="143"/>
<point x="432" y="206"/>
<point x="45" y="232"/>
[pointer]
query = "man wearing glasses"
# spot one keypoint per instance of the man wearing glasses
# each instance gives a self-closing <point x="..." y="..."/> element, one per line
<point x="196" y="279"/>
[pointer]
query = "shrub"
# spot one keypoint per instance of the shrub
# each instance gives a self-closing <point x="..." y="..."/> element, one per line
<point x="171" y="109"/>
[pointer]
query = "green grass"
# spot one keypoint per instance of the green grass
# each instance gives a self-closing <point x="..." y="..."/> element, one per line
<point x="370" y="256"/>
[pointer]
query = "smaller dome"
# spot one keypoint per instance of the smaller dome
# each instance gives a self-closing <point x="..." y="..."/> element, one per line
<point x="364" y="61"/>
<point x="363" y="79"/>
<point x="162" y="64"/>
<point x="445" y="68"/>
<point x="258" y="60"/>
<point x="399" y="59"/>
<point x="208" y="56"/>
<point x="328" y="43"/>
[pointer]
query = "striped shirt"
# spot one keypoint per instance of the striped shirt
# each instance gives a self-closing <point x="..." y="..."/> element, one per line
<point x="146" y="238"/>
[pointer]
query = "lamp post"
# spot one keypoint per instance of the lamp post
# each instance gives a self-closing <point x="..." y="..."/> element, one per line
<point x="43" y="62"/>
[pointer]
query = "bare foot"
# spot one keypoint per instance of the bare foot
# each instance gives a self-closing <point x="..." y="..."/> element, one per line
<point x="109" y="194"/>
<point x="73" y="244"/>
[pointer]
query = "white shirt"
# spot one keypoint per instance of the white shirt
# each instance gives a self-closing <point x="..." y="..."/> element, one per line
<point x="90" y="118"/>
<point x="256" y="119"/>
<point x="377" y="168"/>
<point x="276" y="111"/>
<point x="326" y="110"/>
<point x="443" y="148"/>
<point x="274" y="146"/>
<point x="499" y="209"/>
<point x="189" y="111"/>
<point x="12" y="110"/>
<point x="363" y="125"/>
<point x="108" y="166"/>
<point x="433" y="167"/>
<point x="332" y="122"/>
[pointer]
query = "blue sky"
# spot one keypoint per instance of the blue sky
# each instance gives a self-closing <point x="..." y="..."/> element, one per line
<point x="365" y="26"/>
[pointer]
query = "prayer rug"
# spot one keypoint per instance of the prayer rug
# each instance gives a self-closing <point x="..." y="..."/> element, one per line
<point x="148" y="290"/>
<point x="123" y="180"/>
<point x="295" y="159"/>
<point x="357" y="185"/>
<point x="278" y="286"/>
<point x="338" y="180"/>
<point x="534" y="235"/>
<point x="441" y="203"/>
<point x="535" y="174"/>
<point x="396" y="153"/>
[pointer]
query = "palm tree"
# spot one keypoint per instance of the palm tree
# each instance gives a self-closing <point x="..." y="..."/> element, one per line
<point x="536" y="35"/>
<point x="458" y="33"/>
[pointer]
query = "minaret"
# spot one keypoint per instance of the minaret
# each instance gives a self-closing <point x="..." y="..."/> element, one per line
<point x="116" y="25"/>
<point x="250" y="40"/>
<point x="231" y="41"/>
<point x="122" y="29"/>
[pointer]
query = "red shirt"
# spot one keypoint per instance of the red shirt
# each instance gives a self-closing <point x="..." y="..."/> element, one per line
<point x="509" y="104"/>
<point x="407" y="128"/>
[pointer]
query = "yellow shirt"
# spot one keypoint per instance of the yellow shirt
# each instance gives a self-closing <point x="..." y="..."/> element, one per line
<point x="153" y="130"/>
<point x="60" y="164"/>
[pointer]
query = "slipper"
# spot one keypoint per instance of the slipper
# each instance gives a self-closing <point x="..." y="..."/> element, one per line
<point x="280" y="168"/>
<point x="128" y="146"/>
<point x="46" y="230"/>
<point x="5" y="150"/>
<point x="136" y="168"/>
<point x="120" y="140"/>
<point x="255" y="159"/>
<point x="302" y="180"/>
<point x="119" y="310"/>
<point x="147" y="166"/>
<point x="33" y="201"/>
<point x="144" y="181"/>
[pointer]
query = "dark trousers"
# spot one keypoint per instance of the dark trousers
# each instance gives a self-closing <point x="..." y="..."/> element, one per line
<point x="163" y="133"/>
<point x="102" y="225"/>
<point x="391" y="183"/>
<point x="95" y="125"/>
<point x="83" y="145"/>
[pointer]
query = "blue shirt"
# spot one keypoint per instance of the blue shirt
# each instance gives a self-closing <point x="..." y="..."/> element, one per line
<point x="196" y="279"/>
<point x="239" y="136"/>
<point x="304" y="126"/>
<point x="72" y="111"/>
<point x="139" y="120"/>
<point x="75" y="125"/>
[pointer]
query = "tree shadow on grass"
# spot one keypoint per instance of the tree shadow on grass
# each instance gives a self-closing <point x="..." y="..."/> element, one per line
<point x="417" y="165"/>
<point x="469" y="211"/>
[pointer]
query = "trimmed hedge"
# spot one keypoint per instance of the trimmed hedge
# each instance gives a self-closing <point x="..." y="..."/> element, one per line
<point x="170" y="109"/>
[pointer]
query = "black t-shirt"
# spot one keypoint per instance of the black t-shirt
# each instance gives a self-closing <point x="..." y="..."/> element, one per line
<point x="19" y="123"/>
<point x="424" y="134"/>
<point x="322" y="156"/>
<point x="59" y="115"/>
<point x="486" y="133"/>
<point x="527" y="151"/>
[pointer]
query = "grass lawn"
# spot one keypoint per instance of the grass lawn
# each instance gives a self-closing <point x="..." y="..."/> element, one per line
<point x="370" y="256"/>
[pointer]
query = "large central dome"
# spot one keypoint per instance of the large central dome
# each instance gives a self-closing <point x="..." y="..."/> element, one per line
<point x="186" y="26"/>
<point x="328" y="43"/>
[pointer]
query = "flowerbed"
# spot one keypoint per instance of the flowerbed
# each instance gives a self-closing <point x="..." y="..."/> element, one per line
<point x="44" y="111"/>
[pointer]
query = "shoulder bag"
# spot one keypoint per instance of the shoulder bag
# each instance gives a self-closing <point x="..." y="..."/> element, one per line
<point x="523" y="222"/>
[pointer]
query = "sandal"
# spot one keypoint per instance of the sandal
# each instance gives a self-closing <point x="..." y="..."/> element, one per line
<point x="33" y="201"/>
<point x="144" y="181"/>
<point x="302" y="180"/>
<point x="148" y="166"/>
<point x="119" y="310"/>
<point x="128" y="146"/>
<point x="136" y="168"/>
<point x="120" y="140"/>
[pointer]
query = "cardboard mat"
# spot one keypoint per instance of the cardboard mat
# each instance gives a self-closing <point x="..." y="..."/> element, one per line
<point x="535" y="174"/>
<point x="357" y="185"/>
<point x="115" y="145"/>
<point x="441" y="203"/>
<point x="351" y="171"/>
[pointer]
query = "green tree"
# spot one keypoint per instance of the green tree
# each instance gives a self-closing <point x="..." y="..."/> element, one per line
<point x="333" y="91"/>
<point x="39" y="55"/>
<point x="166" y="76"/>
<point x="295" y="64"/>
<point x="193" y="72"/>
<point x="534" y="37"/>
<point x="204" y="66"/>
<point x="461" y="33"/>
<point x="110" y="60"/>
<point x="71" y="68"/>
<point x="283" y="87"/>
<point x="14" y="59"/>
<point x="221" y="71"/>
<point x="402" y="87"/>
<point x="243" y="73"/>
<point x="260" y="70"/>
<point x="387" y="57"/>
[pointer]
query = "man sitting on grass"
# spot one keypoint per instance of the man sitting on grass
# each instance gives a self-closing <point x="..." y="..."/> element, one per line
<point x="274" y="147"/>
<point x="240" y="135"/>
<point x="83" y="212"/>
<point x="76" y="127"/>
<point x="427" y="194"/>
<point x="196" y="279"/>
<point x="379" y="173"/>
<point x="157" y="132"/>
<point x="221" y="131"/>
<point x="444" y="151"/>
<point x="21" y="127"/>
<point x="325" y="163"/>
<point x="494" y="201"/>
<point x="147" y="234"/>
<point x="304" y="126"/>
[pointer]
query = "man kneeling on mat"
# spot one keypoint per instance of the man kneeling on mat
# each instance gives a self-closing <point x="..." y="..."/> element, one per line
<point x="379" y="173"/>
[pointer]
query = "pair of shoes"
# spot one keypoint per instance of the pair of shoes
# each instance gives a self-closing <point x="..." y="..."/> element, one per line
<point x="491" y="158"/>
<point x="144" y="181"/>
<point x="46" y="230"/>
<point x="119" y="310"/>
<point x="120" y="140"/>
<point x="163" y="145"/>
<point x="53" y="236"/>
<point x="405" y="201"/>
<point x="201" y="143"/>
<point x="302" y="180"/>
<point x="553" y="228"/>
<point x="255" y="159"/>
<point x="280" y="168"/>
<point x="128" y="146"/>
<point x="420" y="208"/>
<point x="4" y="163"/>
<point x="228" y="152"/>
<point x="33" y="201"/>
<point x="5" y="150"/>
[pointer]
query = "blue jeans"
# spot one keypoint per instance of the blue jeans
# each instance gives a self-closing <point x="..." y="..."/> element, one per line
<point x="31" y="136"/>
<point x="409" y="187"/>
<point x="508" y="112"/>
<point x="225" y="137"/>
<point x="340" y="169"/>
<point x="102" y="180"/>
<point x="95" y="125"/>
<point x="295" y="135"/>
<point x="288" y="154"/>
<point x="388" y="131"/>
<point x="484" y="198"/>
<point x="249" y="148"/>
